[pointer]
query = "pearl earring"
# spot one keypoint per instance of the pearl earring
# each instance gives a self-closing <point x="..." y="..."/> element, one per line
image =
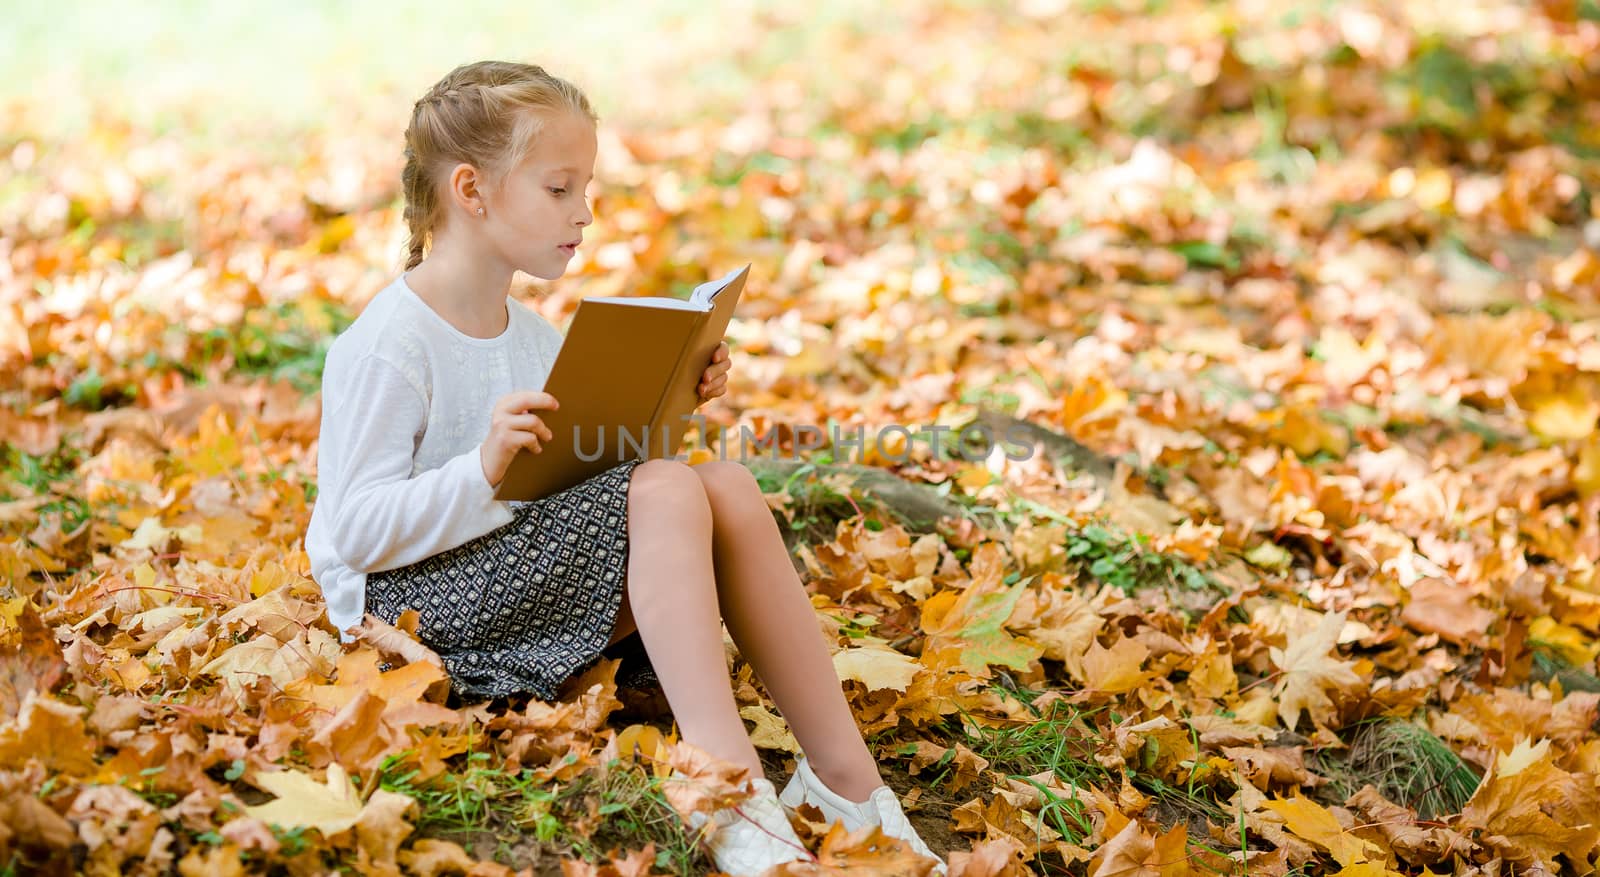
<point x="480" y="211"/>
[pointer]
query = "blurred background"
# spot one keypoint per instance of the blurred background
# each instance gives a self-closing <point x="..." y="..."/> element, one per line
<point x="200" y="189"/>
<point x="274" y="68"/>
<point x="1312" y="288"/>
<point x="203" y="188"/>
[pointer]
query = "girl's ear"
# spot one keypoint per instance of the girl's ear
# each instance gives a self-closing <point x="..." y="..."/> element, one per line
<point x="464" y="188"/>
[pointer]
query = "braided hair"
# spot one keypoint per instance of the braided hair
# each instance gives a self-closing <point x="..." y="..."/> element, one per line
<point x="486" y="114"/>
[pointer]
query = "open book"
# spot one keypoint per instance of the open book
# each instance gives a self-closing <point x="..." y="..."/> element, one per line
<point x="627" y="379"/>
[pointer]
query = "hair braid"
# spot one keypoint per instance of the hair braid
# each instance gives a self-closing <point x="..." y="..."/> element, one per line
<point x="486" y="114"/>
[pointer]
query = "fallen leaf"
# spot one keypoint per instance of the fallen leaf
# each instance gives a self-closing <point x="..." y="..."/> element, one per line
<point x="1313" y="822"/>
<point x="877" y="666"/>
<point x="1438" y="606"/>
<point x="770" y="732"/>
<point x="330" y="806"/>
<point x="1309" y="671"/>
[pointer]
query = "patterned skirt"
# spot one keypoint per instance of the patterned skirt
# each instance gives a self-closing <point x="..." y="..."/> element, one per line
<point x="530" y="604"/>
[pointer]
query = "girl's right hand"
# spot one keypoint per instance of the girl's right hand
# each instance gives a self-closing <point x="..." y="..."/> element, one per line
<point x="512" y="428"/>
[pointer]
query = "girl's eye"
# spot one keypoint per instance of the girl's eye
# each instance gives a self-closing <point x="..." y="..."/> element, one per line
<point x="558" y="191"/>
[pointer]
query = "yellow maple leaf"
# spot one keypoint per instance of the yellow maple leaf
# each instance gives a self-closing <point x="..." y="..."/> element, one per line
<point x="335" y="806"/>
<point x="214" y="448"/>
<point x="1115" y="670"/>
<point x="1309" y="672"/>
<point x="1527" y="808"/>
<point x="1573" y="645"/>
<point x="270" y="577"/>
<point x="1586" y="472"/>
<point x="153" y="536"/>
<point x="1132" y="852"/>
<point x="302" y="802"/>
<point x="1311" y="821"/>
<point x="48" y="731"/>
<point x="1367" y="869"/>
<point x="875" y="665"/>
<point x="403" y="689"/>
<point x="770" y="732"/>
<point x="10" y="615"/>
<point x="1212" y="674"/>
<point x="643" y="742"/>
<point x="1567" y="415"/>
<point x="312" y="651"/>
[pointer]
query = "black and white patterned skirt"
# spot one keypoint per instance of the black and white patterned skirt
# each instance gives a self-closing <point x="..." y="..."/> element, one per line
<point x="528" y="605"/>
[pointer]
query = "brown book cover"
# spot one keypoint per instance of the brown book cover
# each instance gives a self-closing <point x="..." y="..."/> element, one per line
<point x="626" y="379"/>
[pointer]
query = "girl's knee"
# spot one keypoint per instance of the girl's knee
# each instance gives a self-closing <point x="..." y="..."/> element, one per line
<point x="727" y="480"/>
<point x="669" y="482"/>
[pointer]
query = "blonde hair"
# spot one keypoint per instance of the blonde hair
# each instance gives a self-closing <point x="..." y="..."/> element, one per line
<point x="486" y="114"/>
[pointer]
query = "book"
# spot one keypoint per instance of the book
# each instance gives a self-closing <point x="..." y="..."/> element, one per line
<point x="627" y="379"/>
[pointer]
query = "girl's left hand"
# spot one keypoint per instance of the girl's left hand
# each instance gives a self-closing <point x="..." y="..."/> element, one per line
<point x="714" y="382"/>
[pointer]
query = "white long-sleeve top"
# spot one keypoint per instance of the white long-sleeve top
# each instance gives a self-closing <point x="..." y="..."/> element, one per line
<point x="406" y="402"/>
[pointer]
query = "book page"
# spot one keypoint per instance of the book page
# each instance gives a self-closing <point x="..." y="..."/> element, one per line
<point x="706" y="292"/>
<point x="700" y="299"/>
<point x="652" y="301"/>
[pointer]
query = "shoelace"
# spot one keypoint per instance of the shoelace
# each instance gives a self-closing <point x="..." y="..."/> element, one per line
<point x="739" y="812"/>
<point x="809" y="856"/>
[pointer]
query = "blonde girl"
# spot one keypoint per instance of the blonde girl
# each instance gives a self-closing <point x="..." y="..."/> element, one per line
<point x="437" y="384"/>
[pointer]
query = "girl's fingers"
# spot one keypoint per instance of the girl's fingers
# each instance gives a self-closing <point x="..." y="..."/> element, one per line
<point x="531" y="400"/>
<point x="528" y="422"/>
<point x="713" y="390"/>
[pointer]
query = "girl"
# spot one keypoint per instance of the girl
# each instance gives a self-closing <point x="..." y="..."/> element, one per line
<point x="433" y="389"/>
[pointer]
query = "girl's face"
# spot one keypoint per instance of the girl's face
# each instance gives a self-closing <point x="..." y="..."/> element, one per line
<point x="537" y="216"/>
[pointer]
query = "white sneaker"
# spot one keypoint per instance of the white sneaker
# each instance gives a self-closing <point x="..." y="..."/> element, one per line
<point x="882" y="808"/>
<point x="754" y="836"/>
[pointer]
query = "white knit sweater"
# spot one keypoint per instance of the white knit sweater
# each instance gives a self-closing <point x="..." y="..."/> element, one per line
<point x="406" y="401"/>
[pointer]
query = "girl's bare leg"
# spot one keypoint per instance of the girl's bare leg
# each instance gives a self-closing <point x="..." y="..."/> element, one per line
<point x="671" y="598"/>
<point x="774" y="625"/>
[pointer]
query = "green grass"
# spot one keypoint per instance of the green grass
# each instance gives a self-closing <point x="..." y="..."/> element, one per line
<point x="481" y="799"/>
<point x="1548" y="665"/>
<point x="283" y="342"/>
<point x="39" y="474"/>
<point x="1406" y="763"/>
<point x="1062" y="742"/>
<point x="1125" y="563"/>
<point x="815" y="506"/>
<point x="1062" y="738"/>
<point x="636" y="813"/>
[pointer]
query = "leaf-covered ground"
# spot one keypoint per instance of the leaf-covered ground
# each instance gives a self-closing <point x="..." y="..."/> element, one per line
<point x="1317" y="287"/>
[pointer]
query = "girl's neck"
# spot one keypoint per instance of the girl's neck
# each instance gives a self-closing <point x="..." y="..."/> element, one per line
<point x="468" y="292"/>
